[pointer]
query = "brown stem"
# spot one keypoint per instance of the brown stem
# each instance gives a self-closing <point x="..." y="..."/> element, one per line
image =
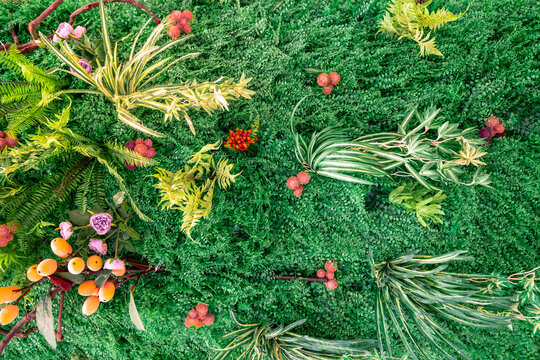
<point x="59" y="336"/>
<point x="96" y="4"/>
<point x="32" y="26"/>
<point x="14" y="35"/>
<point x="291" y="277"/>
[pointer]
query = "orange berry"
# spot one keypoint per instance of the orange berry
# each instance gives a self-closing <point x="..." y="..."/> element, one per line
<point x="61" y="247"/>
<point x="8" y="314"/>
<point x="32" y="273"/>
<point x="94" y="263"/>
<point x="202" y="310"/>
<point x="197" y="323"/>
<point x="208" y="320"/>
<point x="90" y="305"/>
<point x="76" y="265"/>
<point x="47" y="267"/>
<point x="189" y="321"/>
<point x="88" y="288"/>
<point x="9" y="294"/>
<point x="106" y="293"/>
<point x="174" y="32"/>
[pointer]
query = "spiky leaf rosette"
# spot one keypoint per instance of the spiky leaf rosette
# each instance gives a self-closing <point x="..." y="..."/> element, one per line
<point x="191" y="189"/>
<point x="278" y="342"/>
<point x="424" y="148"/>
<point x="415" y="292"/>
<point x="128" y="84"/>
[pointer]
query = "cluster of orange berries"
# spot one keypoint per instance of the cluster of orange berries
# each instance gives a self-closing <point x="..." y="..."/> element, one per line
<point x="331" y="267"/>
<point x="7" y="295"/>
<point x="295" y="182"/>
<point x="8" y="141"/>
<point x="180" y="20"/>
<point x="239" y="139"/>
<point x="141" y="147"/>
<point x="7" y="231"/>
<point x="199" y="316"/>
<point x="328" y="81"/>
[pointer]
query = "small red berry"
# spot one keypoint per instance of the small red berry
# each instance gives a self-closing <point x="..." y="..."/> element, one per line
<point x="187" y="29"/>
<point x="327" y="90"/>
<point x="141" y="149"/>
<point x="2" y="134"/>
<point x="323" y="79"/>
<point x="193" y="313"/>
<point x="174" y="31"/>
<point x="303" y="177"/>
<point x="321" y="273"/>
<point x="130" y="145"/>
<point x="150" y="153"/>
<point x="11" y="142"/>
<point x="298" y="191"/>
<point x="202" y="309"/>
<point x="334" y="78"/>
<point x="293" y="183"/>
<point x="331" y="284"/>
<point x="131" y="166"/>
<point x="330" y="275"/>
<point x="139" y="141"/>
<point x="148" y="142"/>
<point x="208" y="320"/>
<point x="188" y="15"/>
<point x="175" y="16"/>
<point x="3" y="144"/>
<point x="330" y="265"/>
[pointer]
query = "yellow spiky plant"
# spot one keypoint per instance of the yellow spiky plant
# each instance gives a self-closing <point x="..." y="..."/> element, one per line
<point x="410" y="19"/>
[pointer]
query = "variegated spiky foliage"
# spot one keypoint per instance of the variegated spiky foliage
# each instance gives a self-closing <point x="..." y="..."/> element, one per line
<point x="410" y="19"/>
<point x="424" y="148"/>
<point x="56" y="140"/>
<point x="129" y="84"/>
<point x="417" y="199"/>
<point x="25" y="103"/>
<point x="191" y="189"/>
<point x="415" y="292"/>
<point x="278" y="342"/>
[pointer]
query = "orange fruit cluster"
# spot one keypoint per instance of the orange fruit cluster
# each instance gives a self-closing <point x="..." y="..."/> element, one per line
<point x="7" y="295"/>
<point x="180" y="20"/>
<point x="239" y="139"/>
<point x="95" y="295"/>
<point x="295" y="182"/>
<point x="331" y="267"/>
<point x="328" y="81"/>
<point x="199" y="316"/>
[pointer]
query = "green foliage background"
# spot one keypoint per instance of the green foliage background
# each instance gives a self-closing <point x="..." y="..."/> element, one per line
<point x="258" y="227"/>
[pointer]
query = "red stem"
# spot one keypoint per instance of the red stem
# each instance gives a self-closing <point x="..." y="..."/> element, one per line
<point x="59" y="336"/>
<point x="32" y="26"/>
<point x="14" y="35"/>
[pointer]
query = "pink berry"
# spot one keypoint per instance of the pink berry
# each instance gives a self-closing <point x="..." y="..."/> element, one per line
<point x="298" y="191"/>
<point x="334" y="78"/>
<point x="327" y="89"/>
<point x="323" y="79"/>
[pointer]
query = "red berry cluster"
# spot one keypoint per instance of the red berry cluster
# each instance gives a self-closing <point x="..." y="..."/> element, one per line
<point x="295" y="182"/>
<point x="180" y="20"/>
<point x="7" y="231"/>
<point x="199" y="316"/>
<point x="239" y="140"/>
<point x="8" y="141"/>
<point x="493" y="129"/>
<point x="141" y="147"/>
<point x="331" y="268"/>
<point x="328" y="81"/>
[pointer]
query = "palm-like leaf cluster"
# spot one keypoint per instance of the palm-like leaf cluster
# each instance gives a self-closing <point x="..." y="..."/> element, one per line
<point x="129" y="84"/>
<point x="25" y="103"/>
<point x="191" y="189"/>
<point x="415" y="291"/>
<point x="271" y="342"/>
<point x="409" y="19"/>
<point x="429" y="149"/>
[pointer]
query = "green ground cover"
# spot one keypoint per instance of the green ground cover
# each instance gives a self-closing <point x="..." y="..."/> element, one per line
<point x="257" y="226"/>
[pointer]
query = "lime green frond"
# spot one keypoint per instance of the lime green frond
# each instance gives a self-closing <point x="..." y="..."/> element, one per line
<point x="438" y="18"/>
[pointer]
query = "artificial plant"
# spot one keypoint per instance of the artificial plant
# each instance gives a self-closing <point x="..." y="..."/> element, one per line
<point x="424" y="148"/>
<point x="129" y="86"/>
<point x="415" y="292"/>
<point x="278" y="342"/>
<point x="191" y="189"/>
<point x="418" y="199"/>
<point x="410" y="19"/>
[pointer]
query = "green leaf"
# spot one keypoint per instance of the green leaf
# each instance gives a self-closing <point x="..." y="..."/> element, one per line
<point x="102" y="278"/>
<point x="78" y="218"/>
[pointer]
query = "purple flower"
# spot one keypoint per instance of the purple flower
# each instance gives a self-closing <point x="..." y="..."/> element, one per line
<point x="65" y="229"/>
<point x="85" y="64"/>
<point x="63" y="31"/>
<point x="115" y="264"/>
<point x="78" y="32"/>
<point x="98" y="246"/>
<point x="101" y="222"/>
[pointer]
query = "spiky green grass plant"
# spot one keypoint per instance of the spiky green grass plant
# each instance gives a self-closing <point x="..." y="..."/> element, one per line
<point x="414" y="292"/>
<point x="278" y="342"/>
<point x="129" y="84"/>
<point x="424" y="148"/>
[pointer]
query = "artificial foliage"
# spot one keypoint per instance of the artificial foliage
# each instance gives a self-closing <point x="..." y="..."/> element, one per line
<point x="425" y="148"/>
<point x="191" y="189"/>
<point x="417" y="199"/>
<point x="279" y="342"/>
<point x="129" y="84"/>
<point x="411" y="19"/>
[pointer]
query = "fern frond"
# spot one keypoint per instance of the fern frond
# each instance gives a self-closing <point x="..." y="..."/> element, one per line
<point x="18" y="92"/>
<point x="438" y="18"/>
<point x="427" y="45"/>
<point x="197" y="207"/>
<point x="16" y="62"/>
<point x="223" y="173"/>
<point x="123" y="155"/>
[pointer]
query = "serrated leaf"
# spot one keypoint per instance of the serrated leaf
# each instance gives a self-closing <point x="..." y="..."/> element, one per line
<point x="134" y="314"/>
<point x="45" y="320"/>
<point x="102" y="278"/>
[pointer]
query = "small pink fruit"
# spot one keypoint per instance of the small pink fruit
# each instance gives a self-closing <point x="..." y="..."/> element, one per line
<point x="202" y="309"/>
<point x="303" y="177"/>
<point x="331" y="284"/>
<point x="175" y="16"/>
<point x="330" y="265"/>
<point x="334" y="78"/>
<point x="188" y="15"/>
<point x="327" y="90"/>
<point x="148" y="142"/>
<point x="150" y="153"/>
<point x="293" y="183"/>
<point x="298" y="191"/>
<point x="323" y="79"/>
<point x="12" y="142"/>
<point x="193" y="313"/>
<point x="321" y="273"/>
<point x="208" y="320"/>
<point x="187" y="29"/>
<point x="330" y="275"/>
<point x="174" y="31"/>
